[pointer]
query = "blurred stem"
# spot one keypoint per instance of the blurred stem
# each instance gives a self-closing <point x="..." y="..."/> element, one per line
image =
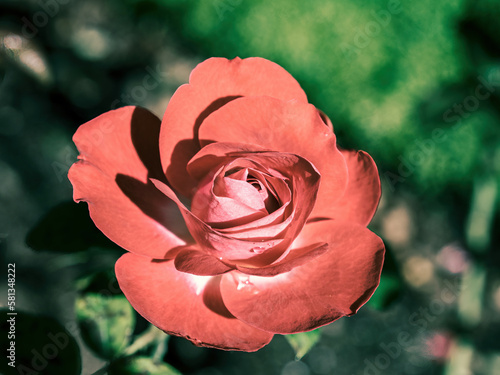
<point x="470" y="301"/>
<point x="494" y="364"/>
<point x="482" y="210"/>
<point x="151" y="335"/>
<point x="161" y="348"/>
<point x="478" y="236"/>
<point x="460" y="359"/>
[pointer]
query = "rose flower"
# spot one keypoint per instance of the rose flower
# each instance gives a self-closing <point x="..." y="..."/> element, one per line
<point x="241" y="215"/>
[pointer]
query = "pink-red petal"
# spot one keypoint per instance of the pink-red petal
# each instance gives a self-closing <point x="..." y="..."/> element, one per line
<point x="221" y="204"/>
<point x="118" y="154"/>
<point x="362" y="194"/>
<point x="184" y="305"/>
<point x="316" y="293"/>
<point x="199" y="263"/>
<point x="212" y="84"/>
<point x="291" y="127"/>
<point x="217" y="154"/>
<point x="325" y="119"/>
<point x="293" y="258"/>
<point x="303" y="179"/>
<point x="223" y="246"/>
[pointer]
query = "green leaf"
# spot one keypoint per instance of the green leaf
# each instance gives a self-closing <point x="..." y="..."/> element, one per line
<point x="67" y="228"/>
<point x="41" y="345"/>
<point x="303" y="342"/>
<point x="140" y="366"/>
<point x="101" y="282"/>
<point x="106" y="323"/>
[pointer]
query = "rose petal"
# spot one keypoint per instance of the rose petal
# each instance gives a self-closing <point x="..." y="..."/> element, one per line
<point x="325" y="119"/>
<point x="330" y="286"/>
<point x="304" y="180"/>
<point x="291" y="127"/>
<point x="362" y="194"/>
<point x="223" y="202"/>
<point x="118" y="154"/>
<point x="240" y="191"/>
<point x="199" y="263"/>
<point x="293" y="258"/>
<point x="212" y="84"/>
<point x="220" y="211"/>
<point x="274" y="223"/>
<point x="268" y="227"/>
<point x="222" y="246"/>
<point x="184" y="305"/>
<point x="217" y="154"/>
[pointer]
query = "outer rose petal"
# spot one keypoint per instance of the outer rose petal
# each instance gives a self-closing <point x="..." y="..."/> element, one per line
<point x="184" y="305"/>
<point x="362" y="194"/>
<point x="292" y="127"/>
<point x="212" y="84"/>
<point x="332" y="285"/>
<point x="325" y="119"/>
<point x="118" y="154"/>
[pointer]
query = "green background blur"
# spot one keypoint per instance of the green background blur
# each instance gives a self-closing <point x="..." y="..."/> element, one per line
<point x="414" y="83"/>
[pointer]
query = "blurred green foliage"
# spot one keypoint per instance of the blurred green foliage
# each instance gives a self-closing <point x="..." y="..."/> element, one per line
<point x="303" y="342"/>
<point x="385" y="72"/>
<point x="416" y="84"/>
<point x="106" y="323"/>
<point x="141" y="366"/>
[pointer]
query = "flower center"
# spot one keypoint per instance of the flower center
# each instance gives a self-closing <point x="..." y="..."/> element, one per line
<point x="236" y="195"/>
<point x="259" y="183"/>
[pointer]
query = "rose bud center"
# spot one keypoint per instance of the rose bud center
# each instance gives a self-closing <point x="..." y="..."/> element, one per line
<point x="235" y="195"/>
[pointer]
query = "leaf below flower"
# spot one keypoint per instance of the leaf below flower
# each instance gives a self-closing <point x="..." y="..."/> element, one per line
<point x="303" y="342"/>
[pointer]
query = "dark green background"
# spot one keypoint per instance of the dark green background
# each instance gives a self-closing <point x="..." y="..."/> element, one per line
<point x="414" y="83"/>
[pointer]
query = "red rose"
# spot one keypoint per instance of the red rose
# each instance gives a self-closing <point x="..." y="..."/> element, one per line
<point x="274" y="238"/>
